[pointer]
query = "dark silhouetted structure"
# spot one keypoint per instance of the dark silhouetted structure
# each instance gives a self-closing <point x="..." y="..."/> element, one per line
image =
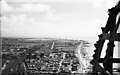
<point x="109" y="32"/>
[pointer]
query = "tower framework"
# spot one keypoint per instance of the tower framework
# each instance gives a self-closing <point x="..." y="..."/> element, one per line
<point x="109" y="32"/>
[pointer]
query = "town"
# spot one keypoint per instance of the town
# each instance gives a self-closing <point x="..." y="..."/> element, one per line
<point x="44" y="56"/>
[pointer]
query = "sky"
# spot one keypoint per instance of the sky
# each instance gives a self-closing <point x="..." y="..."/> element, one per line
<point x="67" y="19"/>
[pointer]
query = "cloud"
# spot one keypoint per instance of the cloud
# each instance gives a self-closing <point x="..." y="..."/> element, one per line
<point x="29" y="7"/>
<point x="23" y="26"/>
<point x="5" y="6"/>
<point x="96" y="3"/>
<point x="26" y="7"/>
<point x="20" y="26"/>
<point x="61" y="25"/>
<point x="58" y="0"/>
